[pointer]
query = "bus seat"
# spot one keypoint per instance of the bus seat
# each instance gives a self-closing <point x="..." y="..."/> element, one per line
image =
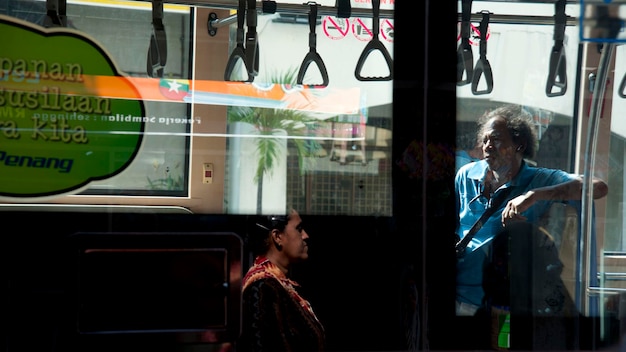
<point x="563" y="222"/>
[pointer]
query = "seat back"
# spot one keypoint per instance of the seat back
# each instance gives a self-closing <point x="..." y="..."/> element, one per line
<point x="562" y="224"/>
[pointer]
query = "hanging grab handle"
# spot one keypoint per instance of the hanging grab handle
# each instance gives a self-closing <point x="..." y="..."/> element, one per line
<point x="239" y="53"/>
<point x="373" y="45"/>
<point x="157" y="52"/>
<point x="56" y="13"/>
<point x="557" y="76"/>
<point x="482" y="66"/>
<point x="344" y="9"/>
<point x="556" y="84"/>
<point x="252" y="42"/>
<point x="312" y="56"/>
<point x="622" y="88"/>
<point x="465" y="57"/>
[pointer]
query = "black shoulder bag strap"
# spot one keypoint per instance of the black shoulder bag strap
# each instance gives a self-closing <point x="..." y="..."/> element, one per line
<point x="494" y="204"/>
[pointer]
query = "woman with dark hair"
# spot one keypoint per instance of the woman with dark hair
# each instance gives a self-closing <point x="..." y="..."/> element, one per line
<point x="274" y="315"/>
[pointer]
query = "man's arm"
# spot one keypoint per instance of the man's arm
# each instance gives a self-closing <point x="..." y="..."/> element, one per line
<point x="570" y="190"/>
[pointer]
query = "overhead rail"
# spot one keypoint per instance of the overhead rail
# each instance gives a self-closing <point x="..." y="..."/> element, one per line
<point x="521" y="19"/>
<point x="296" y="9"/>
<point x="605" y="2"/>
<point x="574" y="2"/>
<point x="270" y="7"/>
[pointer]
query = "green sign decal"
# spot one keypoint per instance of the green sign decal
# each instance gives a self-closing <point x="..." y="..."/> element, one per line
<point x="54" y="138"/>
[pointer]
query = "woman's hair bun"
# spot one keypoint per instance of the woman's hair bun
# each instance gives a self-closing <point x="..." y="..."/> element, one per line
<point x="258" y="231"/>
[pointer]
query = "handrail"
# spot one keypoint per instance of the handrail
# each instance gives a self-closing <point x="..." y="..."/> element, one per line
<point x="596" y="291"/>
<point x="523" y="19"/>
<point x="575" y="2"/>
<point x="296" y="9"/>
<point x="614" y="276"/>
<point x="597" y="101"/>
<point x="614" y="254"/>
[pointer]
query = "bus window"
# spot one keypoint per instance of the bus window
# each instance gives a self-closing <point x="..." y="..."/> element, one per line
<point x="563" y="67"/>
<point x="281" y="138"/>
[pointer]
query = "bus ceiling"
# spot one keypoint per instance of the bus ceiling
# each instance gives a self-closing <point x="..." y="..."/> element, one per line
<point x="56" y="10"/>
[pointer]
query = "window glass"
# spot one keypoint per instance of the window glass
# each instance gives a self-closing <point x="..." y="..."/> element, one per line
<point x="160" y="166"/>
<point x="333" y="155"/>
<point x="124" y="31"/>
<point x="616" y="212"/>
<point x="517" y="54"/>
<point x="311" y="130"/>
<point x="580" y="129"/>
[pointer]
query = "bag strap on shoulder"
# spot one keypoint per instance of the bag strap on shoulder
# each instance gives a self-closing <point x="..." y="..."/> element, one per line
<point x="495" y="203"/>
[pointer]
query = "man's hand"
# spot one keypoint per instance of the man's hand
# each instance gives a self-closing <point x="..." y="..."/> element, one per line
<point x="516" y="206"/>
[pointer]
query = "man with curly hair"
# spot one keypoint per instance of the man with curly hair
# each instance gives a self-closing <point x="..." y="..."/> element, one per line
<point x="508" y="140"/>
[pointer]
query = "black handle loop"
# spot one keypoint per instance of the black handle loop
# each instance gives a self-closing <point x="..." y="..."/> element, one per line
<point x="239" y="53"/>
<point x="344" y="9"/>
<point x="494" y="204"/>
<point x="56" y="14"/>
<point x="483" y="68"/>
<point x="252" y="43"/>
<point x="157" y="52"/>
<point x="465" y="57"/>
<point x="557" y="74"/>
<point x="465" y="63"/>
<point x="373" y="45"/>
<point x="268" y="6"/>
<point x="312" y="56"/>
<point x="622" y="88"/>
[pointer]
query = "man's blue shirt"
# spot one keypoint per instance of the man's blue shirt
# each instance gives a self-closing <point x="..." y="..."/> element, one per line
<point x="471" y="204"/>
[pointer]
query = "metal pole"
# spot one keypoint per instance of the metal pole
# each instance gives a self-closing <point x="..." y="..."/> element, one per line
<point x="520" y="19"/>
<point x="296" y="9"/>
<point x="597" y="101"/>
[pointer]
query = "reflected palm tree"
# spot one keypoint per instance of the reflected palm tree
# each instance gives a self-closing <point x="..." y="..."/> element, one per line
<point x="273" y="122"/>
